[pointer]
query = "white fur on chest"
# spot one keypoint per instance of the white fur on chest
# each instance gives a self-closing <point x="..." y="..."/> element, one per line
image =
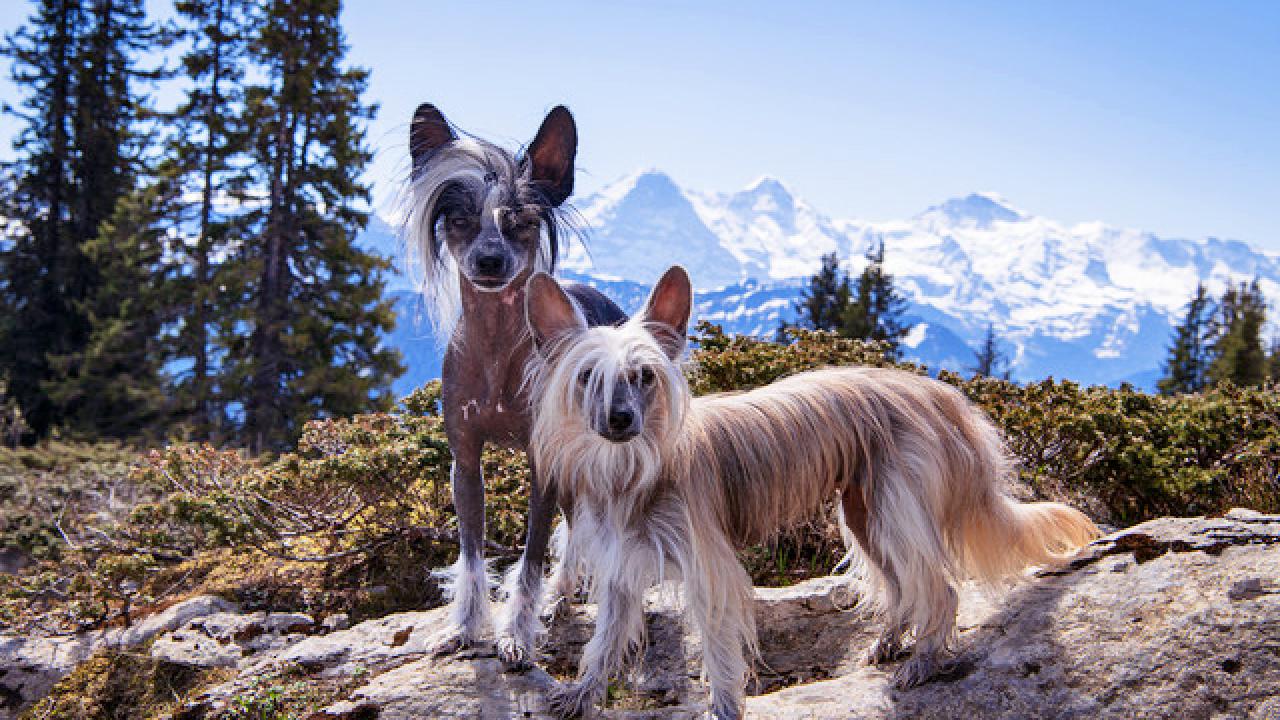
<point x="617" y="544"/>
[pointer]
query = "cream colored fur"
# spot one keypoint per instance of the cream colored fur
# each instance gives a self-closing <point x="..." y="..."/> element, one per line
<point x="920" y="472"/>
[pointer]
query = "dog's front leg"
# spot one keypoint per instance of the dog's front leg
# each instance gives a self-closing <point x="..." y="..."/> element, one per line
<point x="518" y="625"/>
<point x="468" y="583"/>
<point x="618" y="634"/>
<point x="566" y="570"/>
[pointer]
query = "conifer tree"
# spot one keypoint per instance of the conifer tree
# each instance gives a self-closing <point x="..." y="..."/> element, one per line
<point x="876" y="308"/>
<point x="76" y="156"/>
<point x="780" y="335"/>
<point x="990" y="360"/>
<point x="116" y="385"/>
<point x="1185" y="371"/>
<point x="208" y="145"/>
<point x="39" y="253"/>
<point x="1237" y="351"/>
<point x="314" y="299"/>
<point x="823" y="301"/>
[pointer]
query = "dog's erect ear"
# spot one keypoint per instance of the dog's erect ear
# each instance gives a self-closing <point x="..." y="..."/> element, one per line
<point x="549" y="311"/>
<point x="550" y="155"/>
<point x="428" y="131"/>
<point x="666" y="314"/>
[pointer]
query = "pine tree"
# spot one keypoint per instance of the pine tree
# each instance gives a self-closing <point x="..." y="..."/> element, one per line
<point x="1273" y="361"/>
<point x="208" y="141"/>
<point x="822" y="303"/>
<point x="116" y="385"/>
<point x="990" y="360"/>
<point x="315" y="301"/>
<point x="780" y="335"/>
<point x="1237" y="351"/>
<point x="77" y="155"/>
<point x="39" y="253"/>
<point x="876" y="308"/>
<point x="1186" y="369"/>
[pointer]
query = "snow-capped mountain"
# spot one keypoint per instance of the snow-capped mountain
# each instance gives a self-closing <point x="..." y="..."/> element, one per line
<point x="1088" y="302"/>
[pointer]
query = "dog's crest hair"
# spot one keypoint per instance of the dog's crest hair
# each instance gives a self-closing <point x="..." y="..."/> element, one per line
<point x="470" y="170"/>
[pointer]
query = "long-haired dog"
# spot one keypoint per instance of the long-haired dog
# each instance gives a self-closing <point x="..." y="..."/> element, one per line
<point x="664" y="485"/>
<point x="481" y="220"/>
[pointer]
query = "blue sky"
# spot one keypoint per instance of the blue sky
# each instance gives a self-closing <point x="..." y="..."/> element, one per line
<point x="1158" y="115"/>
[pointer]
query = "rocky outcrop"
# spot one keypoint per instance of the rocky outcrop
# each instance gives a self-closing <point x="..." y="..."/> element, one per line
<point x="1171" y="618"/>
<point x="31" y="666"/>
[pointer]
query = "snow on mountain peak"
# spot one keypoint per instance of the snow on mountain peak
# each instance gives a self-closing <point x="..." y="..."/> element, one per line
<point x="766" y="185"/>
<point x="641" y="224"/>
<point x="766" y="195"/>
<point x="977" y="209"/>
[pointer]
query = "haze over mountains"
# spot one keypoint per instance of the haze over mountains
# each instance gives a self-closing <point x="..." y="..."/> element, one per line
<point x="1088" y="302"/>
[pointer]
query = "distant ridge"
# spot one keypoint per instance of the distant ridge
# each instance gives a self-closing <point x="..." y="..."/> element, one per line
<point x="1089" y="302"/>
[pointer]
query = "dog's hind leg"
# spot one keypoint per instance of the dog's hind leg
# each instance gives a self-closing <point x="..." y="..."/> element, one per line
<point x="519" y="625"/>
<point x="903" y="541"/>
<point x="881" y="585"/>
<point x="467" y="581"/>
<point x="933" y="637"/>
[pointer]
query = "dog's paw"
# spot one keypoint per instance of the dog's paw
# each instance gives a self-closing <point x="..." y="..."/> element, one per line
<point x="555" y="610"/>
<point x="724" y="709"/>
<point x="517" y="656"/>
<point x="920" y="669"/>
<point x="572" y="700"/>
<point x="452" y="644"/>
<point x="886" y="649"/>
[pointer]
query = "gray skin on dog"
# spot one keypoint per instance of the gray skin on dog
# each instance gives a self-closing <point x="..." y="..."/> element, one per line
<point x="494" y="232"/>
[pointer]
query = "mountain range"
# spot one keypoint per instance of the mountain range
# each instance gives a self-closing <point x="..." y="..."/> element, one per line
<point x="1089" y="302"/>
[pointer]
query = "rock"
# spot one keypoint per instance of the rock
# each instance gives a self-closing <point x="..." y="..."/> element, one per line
<point x="373" y="644"/>
<point x="335" y="622"/>
<point x="13" y="560"/>
<point x="477" y="688"/>
<point x="1169" y="619"/>
<point x="230" y="639"/>
<point x="168" y="619"/>
<point x="30" y="666"/>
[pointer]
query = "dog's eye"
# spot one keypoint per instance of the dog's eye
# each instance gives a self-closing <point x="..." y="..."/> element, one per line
<point x="521" y="221"/>
<point x="646" y="376"/>
<point x="584" y="377"/>
<point x="460" y="222"/>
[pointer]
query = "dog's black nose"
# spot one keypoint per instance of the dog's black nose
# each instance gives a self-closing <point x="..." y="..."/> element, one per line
<point x="620" y="419"/>
<point x="490" y="264"/>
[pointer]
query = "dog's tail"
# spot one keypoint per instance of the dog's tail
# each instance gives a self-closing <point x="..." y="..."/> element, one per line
<point x="1010" y="536"/>
<point x="994" y="536"/>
